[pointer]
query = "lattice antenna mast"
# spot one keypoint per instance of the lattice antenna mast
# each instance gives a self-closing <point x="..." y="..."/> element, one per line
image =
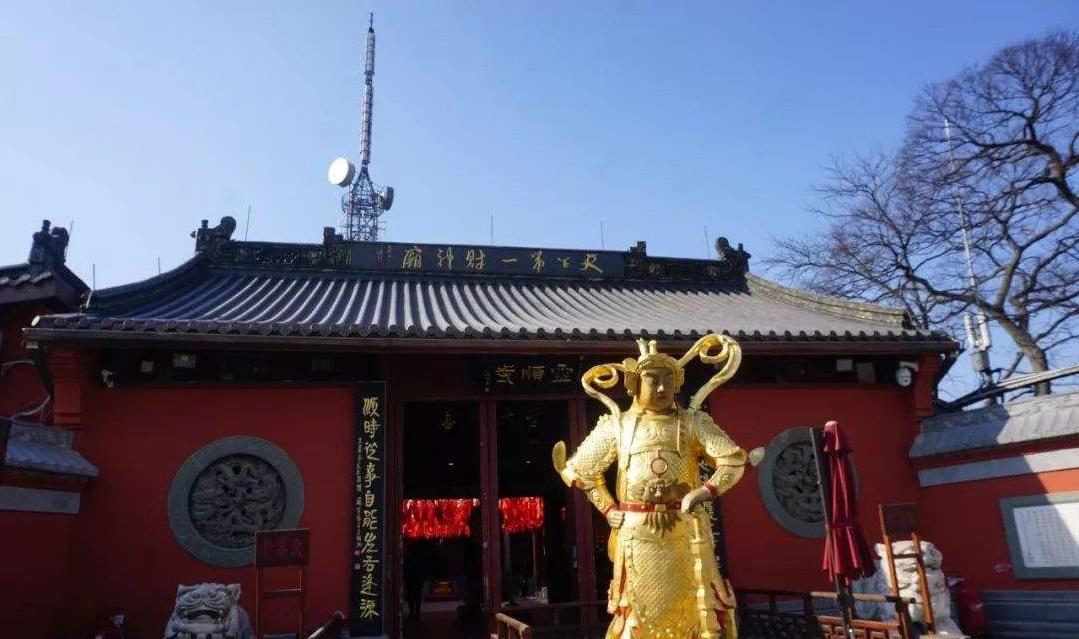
<point x="368" y="98"/>
<point x="364" y="203"/>
<point x="975" y="323"/>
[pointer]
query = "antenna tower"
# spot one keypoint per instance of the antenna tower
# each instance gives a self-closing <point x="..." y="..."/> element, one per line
<point x="363" y="204"/>
<point x="975" y="323"/>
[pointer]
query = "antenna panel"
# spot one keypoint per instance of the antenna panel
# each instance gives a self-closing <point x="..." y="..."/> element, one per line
<point x="385" y="196"/>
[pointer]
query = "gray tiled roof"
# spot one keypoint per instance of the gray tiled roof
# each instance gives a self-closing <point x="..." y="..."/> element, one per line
<point x="1028" y="420"/>
<point x="260" y="289"/>
<point x="231" y="302"/>
<point x="45" y="449"/>
<point x="16" y="278"/>
<point x="25" y="282"/>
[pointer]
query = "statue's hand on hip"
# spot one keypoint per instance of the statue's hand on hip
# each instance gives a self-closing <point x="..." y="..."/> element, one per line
<point x="694" y="497"/>
<point x="615" y="518"/>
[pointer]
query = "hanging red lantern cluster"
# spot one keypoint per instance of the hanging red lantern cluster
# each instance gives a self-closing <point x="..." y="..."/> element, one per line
<point x="521" y="514"/>
<point x="447" y="518"/>
<point x="436" y="518"/>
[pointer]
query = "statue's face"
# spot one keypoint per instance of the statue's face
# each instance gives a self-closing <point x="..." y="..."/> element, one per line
<point x="656" y="389"/>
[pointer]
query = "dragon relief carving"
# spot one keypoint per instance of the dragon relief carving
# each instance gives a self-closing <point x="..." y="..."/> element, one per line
<point x="234" y="497"/>
<point x="795" y="482"/>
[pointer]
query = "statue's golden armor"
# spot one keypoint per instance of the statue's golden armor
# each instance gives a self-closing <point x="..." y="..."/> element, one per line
<point x="666" y="582"/>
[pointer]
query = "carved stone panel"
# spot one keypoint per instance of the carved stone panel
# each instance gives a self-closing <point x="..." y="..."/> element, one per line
<point x="228" y="490"/>
<point x="787" y="480"/>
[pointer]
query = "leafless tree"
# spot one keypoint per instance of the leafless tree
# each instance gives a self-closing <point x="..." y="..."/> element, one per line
<point x="1004" y="169"/>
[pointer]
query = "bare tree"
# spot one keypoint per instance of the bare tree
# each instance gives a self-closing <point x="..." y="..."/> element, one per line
<point x="1003" y="170"/>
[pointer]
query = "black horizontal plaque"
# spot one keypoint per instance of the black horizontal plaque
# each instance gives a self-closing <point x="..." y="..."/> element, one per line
<point x="499" y="260"/>
<point x="529" y="374"/>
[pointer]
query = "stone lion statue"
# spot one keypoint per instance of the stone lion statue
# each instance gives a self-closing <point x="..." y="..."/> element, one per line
<point x="907" y="569"/>
<point x="208" y="611"/>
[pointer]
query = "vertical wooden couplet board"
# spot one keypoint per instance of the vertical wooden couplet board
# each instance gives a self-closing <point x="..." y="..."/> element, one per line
<point x="367" y="616"/>
<point x="274" y="548"/>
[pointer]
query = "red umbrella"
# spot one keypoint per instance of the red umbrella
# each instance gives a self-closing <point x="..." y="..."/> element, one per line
<point x="846" y="552"/>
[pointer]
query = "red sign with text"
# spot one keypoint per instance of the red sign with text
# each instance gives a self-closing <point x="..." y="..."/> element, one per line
<point x="282" y="547"/>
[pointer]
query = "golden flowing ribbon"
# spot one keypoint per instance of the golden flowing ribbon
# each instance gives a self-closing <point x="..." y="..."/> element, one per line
<point x="729" y="354"/>
<point x="604" y="376"/>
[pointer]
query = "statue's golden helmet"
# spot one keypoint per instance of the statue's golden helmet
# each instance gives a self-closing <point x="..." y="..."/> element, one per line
<point x="651" y="358"/>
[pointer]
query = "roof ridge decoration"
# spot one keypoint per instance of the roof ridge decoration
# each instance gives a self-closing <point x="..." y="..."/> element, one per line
<point x="49" y="248"/>
<point x="335" y="253"/>
<point x="828" y="304"/>
<point x="43" y="276"/>
<point x="342" y="290"/>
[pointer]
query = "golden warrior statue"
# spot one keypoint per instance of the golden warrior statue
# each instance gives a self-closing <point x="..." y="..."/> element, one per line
<point x="666" y="582"/>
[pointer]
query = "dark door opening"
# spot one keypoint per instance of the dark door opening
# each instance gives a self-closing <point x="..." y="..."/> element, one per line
<point x="538" y="544"/>
<point x="479" y="491"/>
<point x="440" y="521"/>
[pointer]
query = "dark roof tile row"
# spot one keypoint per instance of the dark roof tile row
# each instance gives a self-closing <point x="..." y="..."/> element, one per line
<point x="237" y="302"/>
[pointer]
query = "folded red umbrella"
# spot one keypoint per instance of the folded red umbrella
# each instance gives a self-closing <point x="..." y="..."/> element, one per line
<point x="846" y="552"/>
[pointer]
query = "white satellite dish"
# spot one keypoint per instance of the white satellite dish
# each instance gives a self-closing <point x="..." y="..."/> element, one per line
<point x="341" y="172"/>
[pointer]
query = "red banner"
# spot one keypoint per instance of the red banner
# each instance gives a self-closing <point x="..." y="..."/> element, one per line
<point x="436" y="518"/>
<point x="521" y="514"/>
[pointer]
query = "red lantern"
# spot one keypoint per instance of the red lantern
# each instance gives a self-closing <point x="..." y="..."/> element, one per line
<point x="521" y="514"/>
<point x="436" y="518"/>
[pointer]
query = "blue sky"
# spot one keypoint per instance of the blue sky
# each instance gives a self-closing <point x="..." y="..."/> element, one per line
<point x="136" y="120"/>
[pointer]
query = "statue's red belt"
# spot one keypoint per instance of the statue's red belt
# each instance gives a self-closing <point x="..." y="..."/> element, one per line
<point x="645" y="507"/>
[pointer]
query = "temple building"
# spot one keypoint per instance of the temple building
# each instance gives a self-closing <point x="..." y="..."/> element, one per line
<point x="401" y="401"/>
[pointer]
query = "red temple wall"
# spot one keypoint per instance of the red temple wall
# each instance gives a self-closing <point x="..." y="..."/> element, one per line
<point x="33" y="568"/>
<point x="34" y="551"/>
<point x="123" y="552"/>
<point x="880" y="425"/>
<point x="964" y="520"/>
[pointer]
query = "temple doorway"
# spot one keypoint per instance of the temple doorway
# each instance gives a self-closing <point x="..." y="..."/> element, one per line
<point x="537" y="563"/>
<point x="441" y="530"/>
<point x="486" y="523"/>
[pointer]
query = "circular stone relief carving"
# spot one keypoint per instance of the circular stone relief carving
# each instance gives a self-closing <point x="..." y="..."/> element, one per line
<point x="229" y="489"/>
<point x="787" y="480"/>
<point x="794" y="482"/>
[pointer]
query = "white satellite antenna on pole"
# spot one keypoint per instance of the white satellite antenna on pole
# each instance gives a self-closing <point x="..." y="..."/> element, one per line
<point x="975" y="324"/>
<point x="364" y="202"/>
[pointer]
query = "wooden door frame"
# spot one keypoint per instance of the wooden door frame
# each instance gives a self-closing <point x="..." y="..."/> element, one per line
<point x="492" y="540"/>
<point x="489" y="495"/>
<point x="582" y="509"/>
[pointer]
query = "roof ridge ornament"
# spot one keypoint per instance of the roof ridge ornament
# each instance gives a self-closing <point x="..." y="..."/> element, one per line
<point x="209" y="239"/>
<point x="738" y="258"/>
<point x="49" y="247"/>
